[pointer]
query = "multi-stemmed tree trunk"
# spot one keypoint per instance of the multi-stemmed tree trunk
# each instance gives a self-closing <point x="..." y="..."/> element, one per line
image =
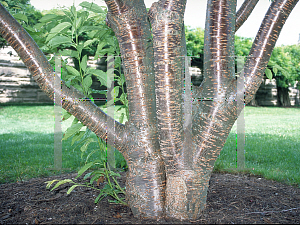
<point x="170" y="149"/>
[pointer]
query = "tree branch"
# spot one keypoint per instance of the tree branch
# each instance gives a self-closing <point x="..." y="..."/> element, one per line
<point x="87" y="112"/>
<point x="244" y="12"/>
<point x="264" y="43"/>
<point x="166" y="19"/>
<point x="131" y="26"/>
<point x="209" y="121"/>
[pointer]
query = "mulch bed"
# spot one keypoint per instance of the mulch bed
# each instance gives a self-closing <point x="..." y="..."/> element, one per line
<point x="231" y="199"/>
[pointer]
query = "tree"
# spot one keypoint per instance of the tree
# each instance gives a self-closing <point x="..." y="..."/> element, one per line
<point x="21" y="9"/>
<point x="284" y="67"/>
<point x="169" y="160"/>
<point x="195" y="46"/>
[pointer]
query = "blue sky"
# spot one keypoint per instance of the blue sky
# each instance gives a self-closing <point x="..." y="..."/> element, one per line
<point x="195" y="17"/>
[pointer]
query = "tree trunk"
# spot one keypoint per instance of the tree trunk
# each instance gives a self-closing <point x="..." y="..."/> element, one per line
<point x="283" y="97"/>
<point x="253" y="102"/>
<point x="170" y="154"/>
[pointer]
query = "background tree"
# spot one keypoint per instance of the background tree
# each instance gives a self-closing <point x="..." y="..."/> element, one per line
<point x="195" y="46"/>
<point x="169" y="160"/>
<point x="23" y="11"/>
<point x="284" y="67"/>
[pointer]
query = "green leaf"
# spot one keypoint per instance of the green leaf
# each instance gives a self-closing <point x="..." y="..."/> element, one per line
<point x="92" y="34"/>
<point x="58" y="29"/>
<point x="96" y="177"/>
<point x="68" y="14"/>
<point x="88" y="28"/>
<point x="103" y="195"/>
<point x="114" y="201"/>
<point x="89" y="42"/>
<point x="72" y="188"/>
<point x="78" y="87"/>
<point x="59" y="40"/>
<point x="108" y="51"/>
<point x="73" y="11"/>
<point x="103" y="34"/>
<point x="86" y="167"/>
<point x="4" y="4"/>
<point x="99" y="48"/>
<point x="268" y="73"/>
<point x="275" y="70"/>
<point x="112" y="173"/>
<point x="88" y="141"/>
<point x="77" y="137"/>
<point x="78" y="22"/>
<point x="110" y="103"/>
<point x="91" y="153"/>
<point x="120" y="108"/>
<point x="123" y="79"/>
<point x="20" y="16"/>
<point x="103" y="92"/>
<point x="66" y="115"/>
<point x="69" y="52"/>
<point x="73" y="70"/>
<point x="85" y="17"/>
<point x="87" y="82"/>
<point x="75" y="121"/>
<point x="62" y="182"/>
<point x="102" y="76"/>
<point x="107" y="189"/>
<point x="123" y="98"/>
<point x="38" y="26"/>
<point x="79" y="48"/>
<point x="121" y="119"/>
<point x="117" y="61"/>
<point x="47" y="18"/>
<point x="72" y="130"/>
<point x="123" y="163"/>
<point x="87" y="175"/>
<point x="92" y="7"/>
<point x="49" y="183"/>
<point x="115" y="92"/>
<point x="83" y="63"/>
<point x="69" y="78"/>
<point x="31" y="31"/>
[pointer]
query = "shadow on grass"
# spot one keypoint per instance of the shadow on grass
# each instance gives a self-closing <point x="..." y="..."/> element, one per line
<point x="275" y="157"/>
<point x="31" y="154"/>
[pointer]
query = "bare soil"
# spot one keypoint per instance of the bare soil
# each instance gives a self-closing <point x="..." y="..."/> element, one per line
<point x="231" y="199"/>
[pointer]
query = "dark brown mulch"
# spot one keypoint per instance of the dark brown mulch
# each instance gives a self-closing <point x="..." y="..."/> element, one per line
<point x="231" y="199"/>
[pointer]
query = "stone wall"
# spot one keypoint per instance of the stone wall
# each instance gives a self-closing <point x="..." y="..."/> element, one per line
<point x="267" y="93"/>
<point x="18" y="86"/>
<point x="16" y="83"/>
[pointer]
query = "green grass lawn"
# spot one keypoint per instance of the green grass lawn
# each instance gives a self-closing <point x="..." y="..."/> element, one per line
<point x="27" y="144"/>
<point x="272" y="144"/>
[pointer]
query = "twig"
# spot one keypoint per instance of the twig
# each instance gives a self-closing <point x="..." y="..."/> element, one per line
<point x="285" y="210"/>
